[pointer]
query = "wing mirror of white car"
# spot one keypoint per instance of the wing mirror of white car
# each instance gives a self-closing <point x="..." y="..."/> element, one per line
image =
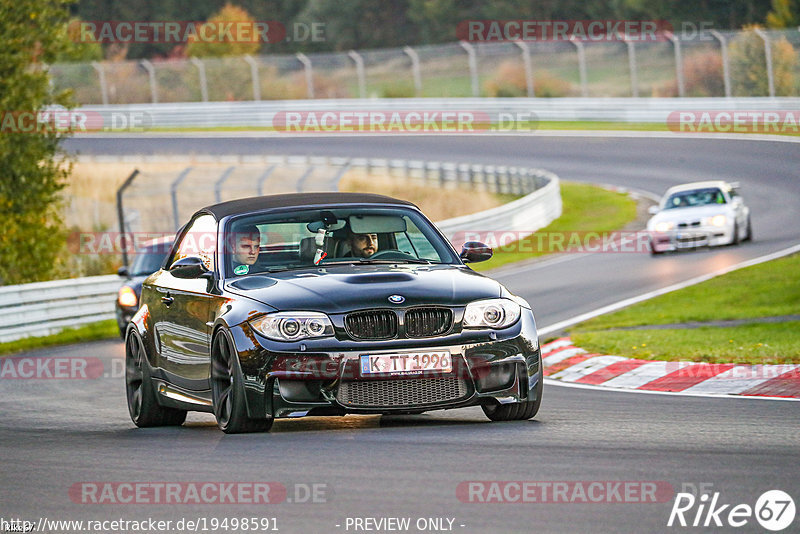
<point x="652" y="210"/>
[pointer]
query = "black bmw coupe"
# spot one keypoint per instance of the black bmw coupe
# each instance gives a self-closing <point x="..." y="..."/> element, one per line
<point x="325" y="304"/>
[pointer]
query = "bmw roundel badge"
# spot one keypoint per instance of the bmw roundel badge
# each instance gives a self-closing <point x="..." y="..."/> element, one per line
<point x="397" y="299"/>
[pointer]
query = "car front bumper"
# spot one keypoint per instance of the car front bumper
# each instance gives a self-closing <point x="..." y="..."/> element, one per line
<point x="325" y="379"/>
<point x="690" y="238"/>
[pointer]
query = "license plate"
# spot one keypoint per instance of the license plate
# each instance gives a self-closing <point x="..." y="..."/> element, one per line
<point x="410" y="362"/>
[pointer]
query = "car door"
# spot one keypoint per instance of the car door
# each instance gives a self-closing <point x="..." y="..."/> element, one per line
<point x="181" y="310"/>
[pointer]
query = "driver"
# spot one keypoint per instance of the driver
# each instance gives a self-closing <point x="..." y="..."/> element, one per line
<point x="246" y="248"/>
<point x="362" y="245"/>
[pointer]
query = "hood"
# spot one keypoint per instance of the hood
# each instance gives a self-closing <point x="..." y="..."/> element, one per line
<point x="341" y="289"/>
<point x="678" y="215"/>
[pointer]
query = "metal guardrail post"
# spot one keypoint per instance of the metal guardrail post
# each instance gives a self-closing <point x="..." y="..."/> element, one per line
<point x="416" y="72"/>
<point x="362" y="79"/>
<point x="121" y="215"/>
<point x="631" y="64"/>
<point x="201" y="72"/>
<point x="101" y="74"/>
<point x="581" y="65"/>
<point x="726" y="72"/>
<point x="768" y="57"/>
<point x="473" y="66"/>
<point x="220" y="181"/>
<point x="250" y="60"/>
<point x="151" y="71"/>
<point x="676" y="44"/>
<point x="173" y="191"/>
<point x="302" y="58"/>
<point x="262" y="179"/>
<point x="526" y="62"/>
<point x="338" y="176"/>
<point x="302" y="181"/>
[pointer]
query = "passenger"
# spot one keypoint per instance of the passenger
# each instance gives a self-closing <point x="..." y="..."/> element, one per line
<point x="246" y="248"/>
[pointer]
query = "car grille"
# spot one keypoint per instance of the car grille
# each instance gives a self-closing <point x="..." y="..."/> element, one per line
<point x="424" y="322"/>
<point x="408" y="392"/>
<point x="374" y="324"/>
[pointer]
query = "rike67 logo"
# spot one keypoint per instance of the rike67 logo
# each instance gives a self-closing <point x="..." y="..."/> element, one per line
<point x="774" y="510"/>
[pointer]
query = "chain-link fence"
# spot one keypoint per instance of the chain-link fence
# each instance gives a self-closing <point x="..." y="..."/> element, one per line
<point x="709" y="63"/>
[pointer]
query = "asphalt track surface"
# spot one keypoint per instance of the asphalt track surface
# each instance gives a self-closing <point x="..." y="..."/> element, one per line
<point x="56" y="433"/>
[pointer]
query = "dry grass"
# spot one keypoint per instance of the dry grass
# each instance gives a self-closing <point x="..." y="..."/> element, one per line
<point x="437" y="204"/>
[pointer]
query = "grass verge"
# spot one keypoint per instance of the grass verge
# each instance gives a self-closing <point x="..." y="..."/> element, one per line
<point x="101" y="330"/>
<point x="766" y="290"/>
<point x="586" y="208"/>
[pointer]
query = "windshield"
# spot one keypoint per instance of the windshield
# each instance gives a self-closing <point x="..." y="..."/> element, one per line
<point x="318" y="237"/>
<point x="149" y="260"/>
<point x="695" y="197"/>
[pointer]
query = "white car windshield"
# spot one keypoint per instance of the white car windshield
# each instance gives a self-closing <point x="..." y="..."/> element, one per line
<point x="695" y="197"/>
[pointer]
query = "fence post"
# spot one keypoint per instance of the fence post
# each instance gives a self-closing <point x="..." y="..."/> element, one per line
<point x="726" y="73"/>
<point x="302" y="58"/>
<point x="362" y="81"/>
<point x="768" y="57"/>
<point x="302" y="181"/>
<point x="581" y="65"/>
<point x="121" y="215"/>
<point x="173" y="191"/>
<point x="254" y="75"/>
<point x="262" y="179"/>
<point x="101" y="74"/>
<point x="415" y="69"/>
<point x="526" y="62"/>
<point x="338" y="176"/>
<point x="676" y="43"/>
<point x="631" y="64"/>
<point x="151" y="71"/>
<point x="201" y="71"/>
<point x="220" y="181"/>
<point x="473" y="67"/>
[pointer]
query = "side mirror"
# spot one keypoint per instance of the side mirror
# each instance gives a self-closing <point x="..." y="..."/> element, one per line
<point x="652" y="210"/>
<point x="124" y="272"/>
<point x="475" y="251"/>
<point x="189" y="267"/>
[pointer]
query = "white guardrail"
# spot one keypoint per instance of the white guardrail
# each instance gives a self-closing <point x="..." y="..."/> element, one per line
<point x="260" y="114"/>
<point x="44" y="308"/>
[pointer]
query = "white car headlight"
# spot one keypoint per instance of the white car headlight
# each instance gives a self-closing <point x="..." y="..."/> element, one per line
<point x="491" y="313"/>
<point x="718" y="220"/>
<point x="664" y="226"/>
<point x="293" y="326"/>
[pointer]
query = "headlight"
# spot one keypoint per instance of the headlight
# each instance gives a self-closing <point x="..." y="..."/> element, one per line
<point x="664" y="226"/>
<point x="127" y="297"/>
<point x="718" y="220"/>
<point x="292" y="326"/>
<point x="491" y="313"/>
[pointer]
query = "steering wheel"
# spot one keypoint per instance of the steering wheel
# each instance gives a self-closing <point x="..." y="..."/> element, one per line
<point x="392" y="254"/>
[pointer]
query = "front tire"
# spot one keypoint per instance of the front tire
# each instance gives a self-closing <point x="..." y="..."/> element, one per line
<point x="517" y="411"/>
<point x="227" y="389"/>
<point x="748" y="236"/>
<point x="735" y="238"/>
<point x="143" y="405"/>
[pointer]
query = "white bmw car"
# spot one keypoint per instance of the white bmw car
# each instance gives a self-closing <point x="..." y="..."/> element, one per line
<point x="699" y="214"/>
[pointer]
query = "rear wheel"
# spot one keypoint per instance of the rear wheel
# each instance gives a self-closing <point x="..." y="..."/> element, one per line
<point x="227" y="389"/>
<point x="517" y="411"/>
<point x="142" y="402"/>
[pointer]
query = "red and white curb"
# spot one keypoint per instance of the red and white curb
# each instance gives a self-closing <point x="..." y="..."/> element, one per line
<point x="565" y="362"/>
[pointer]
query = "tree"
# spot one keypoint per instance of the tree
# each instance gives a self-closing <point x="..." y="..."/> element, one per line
<point x="783" y="15"/>
<point x="236" y="46"/>
<point x="33" y="33"/>
<point x="749" y="66"/>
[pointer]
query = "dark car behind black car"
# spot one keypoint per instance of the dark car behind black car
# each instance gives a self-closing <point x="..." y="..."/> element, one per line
<point x="147" y="261"/>
<point x="309" y="327"/>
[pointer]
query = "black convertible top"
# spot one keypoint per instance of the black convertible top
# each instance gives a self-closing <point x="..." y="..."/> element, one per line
<point x="246" y="205"/>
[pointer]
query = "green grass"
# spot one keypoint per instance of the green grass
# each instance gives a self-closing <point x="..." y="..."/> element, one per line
<point x="765" y="343"/>
<point x="765" y="290"/>
<point x="585" y="208"/>
<point x="91" y="332"/>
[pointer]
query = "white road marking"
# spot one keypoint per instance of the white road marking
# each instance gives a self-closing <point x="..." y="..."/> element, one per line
<point x="586" y="367"/>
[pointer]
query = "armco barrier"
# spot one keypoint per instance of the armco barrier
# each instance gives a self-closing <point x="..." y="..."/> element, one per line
<point x="260" y="114"/>
<point x="43" y="308"/>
